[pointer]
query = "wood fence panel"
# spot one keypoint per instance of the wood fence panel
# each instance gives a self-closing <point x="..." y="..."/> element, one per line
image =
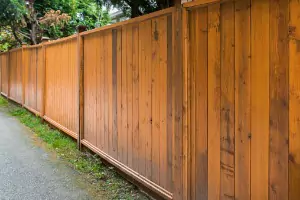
<point x="4" y="73"/>
<point x="33" y="82"/>
<point x="125" y="98"/>
<point x="40" y="80"/>
<point x="61" y="87"/>
<point x="259" y="99"/>
<point x="15" y="75"/>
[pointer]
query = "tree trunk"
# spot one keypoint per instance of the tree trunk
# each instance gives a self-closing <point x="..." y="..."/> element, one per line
<point x="34" y="33"/>
<point x="135" y="10"/>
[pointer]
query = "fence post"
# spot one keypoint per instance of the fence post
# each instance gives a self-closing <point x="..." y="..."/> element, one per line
<point x="44" y="40"/>
<point x="80" y="69"/>
<point x="8" y="76"/>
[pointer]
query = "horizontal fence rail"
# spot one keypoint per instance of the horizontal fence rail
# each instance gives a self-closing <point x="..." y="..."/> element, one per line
<point x="194" y="102"/>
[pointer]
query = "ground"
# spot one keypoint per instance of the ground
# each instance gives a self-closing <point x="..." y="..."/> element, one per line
<point x="37" y="162"/>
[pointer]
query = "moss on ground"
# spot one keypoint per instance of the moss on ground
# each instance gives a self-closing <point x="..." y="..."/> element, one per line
<point x="100" y="175"/>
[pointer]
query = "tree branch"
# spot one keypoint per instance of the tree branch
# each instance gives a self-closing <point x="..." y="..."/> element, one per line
<point x="13" y="30"/>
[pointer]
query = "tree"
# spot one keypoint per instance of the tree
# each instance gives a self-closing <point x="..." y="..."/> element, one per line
<point x="29" y="20"/>
<point x="12" y="14"/>
<point x="134" y="8"/>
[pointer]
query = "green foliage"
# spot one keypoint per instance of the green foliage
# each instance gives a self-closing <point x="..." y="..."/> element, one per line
<point x="82" y="12"/>
<point x="7" y="40"/>
<point x="22" y="21"/>
<point x="12" y="12"/>
<point x="134" y="8"/>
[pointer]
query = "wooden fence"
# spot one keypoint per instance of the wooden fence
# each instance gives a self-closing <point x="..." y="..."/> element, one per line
<point x="199" y="102"/>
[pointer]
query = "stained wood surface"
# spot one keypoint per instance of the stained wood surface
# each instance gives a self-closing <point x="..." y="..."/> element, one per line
<point x="294" y="101"/>
<point x="61" y="92"/>
<point x="4" y="73"/>
<point x="260" y="64"/>
<point x="251" y="125"/>
<point x="15" y="76"/>
<point x="126" y="96"/>
<point x="200" y="102"/>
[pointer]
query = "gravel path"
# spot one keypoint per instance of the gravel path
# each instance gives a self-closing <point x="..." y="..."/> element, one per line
<point x="28" y="171"/>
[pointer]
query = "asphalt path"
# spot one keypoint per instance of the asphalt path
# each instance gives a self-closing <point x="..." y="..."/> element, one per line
<point x="29" y="171"/>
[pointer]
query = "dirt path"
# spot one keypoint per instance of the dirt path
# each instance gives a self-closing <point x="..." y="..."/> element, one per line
<point x="28" y="171"/>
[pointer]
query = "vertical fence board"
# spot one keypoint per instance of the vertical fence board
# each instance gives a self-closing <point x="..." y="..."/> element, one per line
<point x="109" y="93"/>
<point x="170" y="102"/>
<point x="227" y="132"/>
<point x="119" y="93"/>
<point x="259" y="99"/>
<point x="105" y="89"/>
<point x="213" y="100"/>
<point x="155" y="37"/>
<point x="135" y="96"/>
<point x="114" y="146"/>
<point x="193" y="63"/>
<point x="294" y="102"/>
<point x="162" y="93"/>
<point x="101" y="93"/>
<point x="199" y="56"/>
<point x="242" y="100"/>
<point x="279" y="117"/>
<point x="124" y="106"/>
<point x="129" y="61"/>
<point x="144" y="93"/>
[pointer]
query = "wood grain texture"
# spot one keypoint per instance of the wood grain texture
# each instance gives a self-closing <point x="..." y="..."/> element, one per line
<point x="279" y="104"/>
<point x="177" y="92"/>
<point x="214" y="94"/>
<point x="242" y="100"/>
<point x="259" y="99"/>
<point x="294" y="101"/>
<point x="227" y="133"/>
<point x="199" y="101"/>
<point x="156" y="134"/>
<point x="135" y="96"/>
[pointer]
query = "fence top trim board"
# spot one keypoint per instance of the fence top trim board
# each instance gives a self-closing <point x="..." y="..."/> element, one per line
<point x="199" y="3"/>
<point x="33" y="46"/>
<point x="131" y="21"/>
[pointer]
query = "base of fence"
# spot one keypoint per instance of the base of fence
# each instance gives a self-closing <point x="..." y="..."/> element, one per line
<point x="60" y="127"/>
<point x="3" y="94"/>
<point x="33" y="110"/>
<point x="14" y="100"/>
<point x="137" y="177"/>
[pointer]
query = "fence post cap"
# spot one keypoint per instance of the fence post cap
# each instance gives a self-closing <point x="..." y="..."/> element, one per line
<point x="81" y="28"/>
<point x="24" y="44"/>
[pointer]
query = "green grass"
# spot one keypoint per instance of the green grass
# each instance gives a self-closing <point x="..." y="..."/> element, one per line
<point x="104" y="177"/>
<point x="3" y="102"/>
